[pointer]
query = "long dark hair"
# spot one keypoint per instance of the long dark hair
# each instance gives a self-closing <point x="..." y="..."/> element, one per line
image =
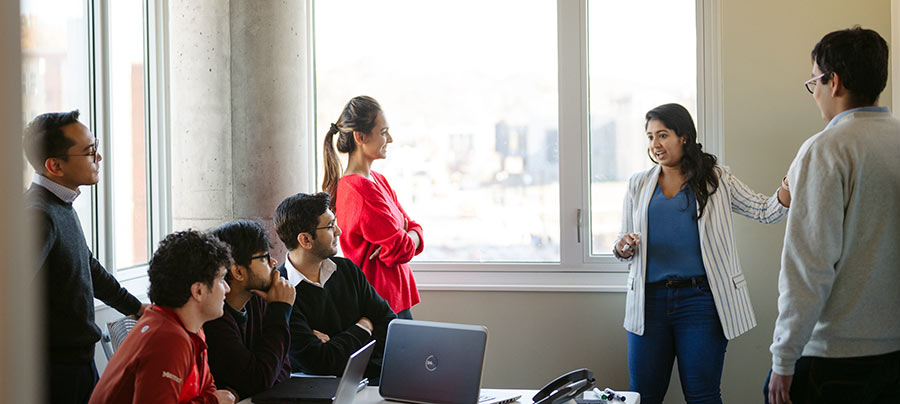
<point x="696" y="165"/>
<point x="359" y="115"/>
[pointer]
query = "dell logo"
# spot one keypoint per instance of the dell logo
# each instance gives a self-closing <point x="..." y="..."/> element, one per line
<point x="431" y="363"/>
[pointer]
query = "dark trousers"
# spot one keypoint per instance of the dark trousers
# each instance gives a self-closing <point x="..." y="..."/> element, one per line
<point x="72" y="383"/>
<point x="864" y="380"/>
<point x="405" y="314"/>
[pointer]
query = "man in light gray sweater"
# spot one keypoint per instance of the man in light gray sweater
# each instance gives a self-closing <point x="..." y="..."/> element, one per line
<point x="838" y="330"/>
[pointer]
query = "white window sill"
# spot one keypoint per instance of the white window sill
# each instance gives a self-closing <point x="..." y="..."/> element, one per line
<point x="517" y="278"/>
<point x="467" y="277"/>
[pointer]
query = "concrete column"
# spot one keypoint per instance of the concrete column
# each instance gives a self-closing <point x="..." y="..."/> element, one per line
<point x="200" y="113"/>
<point x="269" y="89"/>
<point x="239" y="90"/>
<point x="20" y="309"/>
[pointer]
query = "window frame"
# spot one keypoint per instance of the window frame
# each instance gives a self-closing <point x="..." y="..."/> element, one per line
<point x="156" y="125"/>
<point x="577" y="270"/>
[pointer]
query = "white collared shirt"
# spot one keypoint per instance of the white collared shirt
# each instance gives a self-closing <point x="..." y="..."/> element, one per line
<point x="66" y="194"/>
<point x="326" y="269"/>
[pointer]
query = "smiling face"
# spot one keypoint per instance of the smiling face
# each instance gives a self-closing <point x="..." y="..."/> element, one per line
<point x="373" y="145"/>
<point x="79" y="168"/>
<point x="666" y="147"/>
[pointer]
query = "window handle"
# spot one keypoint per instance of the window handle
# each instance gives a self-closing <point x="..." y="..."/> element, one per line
<point x="579" y="226"/>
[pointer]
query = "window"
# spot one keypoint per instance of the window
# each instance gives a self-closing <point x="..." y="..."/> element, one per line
<point x="515" y="132"/>
<point x="55" y="73"/>
<point x="652" y="61"/>
<point x="93" y="55"/>
<point x="128" y="140"/>
<point x="471" y="100"/>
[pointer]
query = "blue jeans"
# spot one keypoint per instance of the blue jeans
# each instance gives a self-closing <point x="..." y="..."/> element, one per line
<point x="678" y="323"/>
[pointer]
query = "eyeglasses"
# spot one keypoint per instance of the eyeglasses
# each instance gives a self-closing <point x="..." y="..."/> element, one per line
<point x="265" y="257"/>
<point x="93" y="154"/>
<point x="811" y="83"/>
<point x="330" y="226"/>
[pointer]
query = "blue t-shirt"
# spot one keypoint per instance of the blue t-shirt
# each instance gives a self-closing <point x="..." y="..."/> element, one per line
<point x="673" y="239"/>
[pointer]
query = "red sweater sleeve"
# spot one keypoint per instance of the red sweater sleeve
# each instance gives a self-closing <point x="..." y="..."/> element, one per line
<point x="412" y="225"/>
<point x="380" y="218"/>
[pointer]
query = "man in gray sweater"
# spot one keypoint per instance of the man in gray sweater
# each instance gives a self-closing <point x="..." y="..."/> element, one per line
<point x="838" y="329"/>
<point x="64" y="155"/>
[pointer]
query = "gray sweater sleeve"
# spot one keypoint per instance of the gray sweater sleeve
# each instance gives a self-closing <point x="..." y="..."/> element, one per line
<point x="812" y="248"/>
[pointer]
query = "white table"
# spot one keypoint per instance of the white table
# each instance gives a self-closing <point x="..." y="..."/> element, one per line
<point x="370" y="395"/>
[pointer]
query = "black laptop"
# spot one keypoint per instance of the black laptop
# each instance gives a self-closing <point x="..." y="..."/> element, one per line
<point x="340" y="390"/>
<point x="436" y="363"/>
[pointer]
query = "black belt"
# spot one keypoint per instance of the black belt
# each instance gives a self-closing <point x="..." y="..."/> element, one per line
<point x="680" y="283"/>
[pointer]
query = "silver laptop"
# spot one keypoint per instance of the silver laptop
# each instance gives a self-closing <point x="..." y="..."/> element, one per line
<point x="328" y="390"/>
<point x="435" y="363"/>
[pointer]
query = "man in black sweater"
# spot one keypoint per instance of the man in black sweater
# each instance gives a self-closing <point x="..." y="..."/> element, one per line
<point x="336" y="311"/>
<point x="248" y="345"/>
<point x="64" y="155"/>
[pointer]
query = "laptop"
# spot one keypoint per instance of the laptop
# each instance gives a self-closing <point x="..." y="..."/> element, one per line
<point x="435" y="363"/>
<point x="337" y="390"/>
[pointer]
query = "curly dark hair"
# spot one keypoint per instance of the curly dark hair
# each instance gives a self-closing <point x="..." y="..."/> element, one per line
<point x="245" y="237"/>
<point x="182" y="259"/>
<point x="44" y="137"/>
<point x="696" y="165"/>
<point x="859" y="56"/>
<point x="299" y="214"/>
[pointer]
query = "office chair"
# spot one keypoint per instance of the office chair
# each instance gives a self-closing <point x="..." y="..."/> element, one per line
<point x="118" y="330"/>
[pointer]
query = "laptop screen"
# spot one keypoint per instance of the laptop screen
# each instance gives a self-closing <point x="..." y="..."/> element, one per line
<point x="321" y="390"/>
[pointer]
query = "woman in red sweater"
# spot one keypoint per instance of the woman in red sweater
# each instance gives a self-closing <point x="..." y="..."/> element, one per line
<point x="377" y="234"/>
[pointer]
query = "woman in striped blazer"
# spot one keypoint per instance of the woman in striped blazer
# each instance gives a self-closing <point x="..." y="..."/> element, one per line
<point x="686" y="292"/>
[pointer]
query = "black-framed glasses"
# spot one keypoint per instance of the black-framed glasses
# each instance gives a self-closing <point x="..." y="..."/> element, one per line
<point x="811" y="83"/>
<point x="93" y="154"/>
<point x="330" y="226"/>
<point x="265" y="257"/>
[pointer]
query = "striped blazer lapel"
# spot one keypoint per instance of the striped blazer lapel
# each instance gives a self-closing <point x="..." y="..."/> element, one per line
<point x="647" y="189"/>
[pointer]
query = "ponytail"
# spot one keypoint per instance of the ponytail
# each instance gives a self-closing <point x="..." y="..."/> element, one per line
<point x="332" y="166"/>
<point x="359" y="115"/>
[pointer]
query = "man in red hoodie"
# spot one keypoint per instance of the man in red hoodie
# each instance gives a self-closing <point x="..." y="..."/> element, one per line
<point x="163" y="359"/>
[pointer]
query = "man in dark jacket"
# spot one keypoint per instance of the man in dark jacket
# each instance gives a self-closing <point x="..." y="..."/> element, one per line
<point x="248" y="345"/>
<point x="336" y="311"/>
<point x="64" y="156"/>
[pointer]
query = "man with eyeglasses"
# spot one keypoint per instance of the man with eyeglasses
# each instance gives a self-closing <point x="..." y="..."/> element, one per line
<point x="336" y="311"/>
<point x="837" y="336"/>
<point x="248" y="345"/>
<point x="64" y="156"/>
